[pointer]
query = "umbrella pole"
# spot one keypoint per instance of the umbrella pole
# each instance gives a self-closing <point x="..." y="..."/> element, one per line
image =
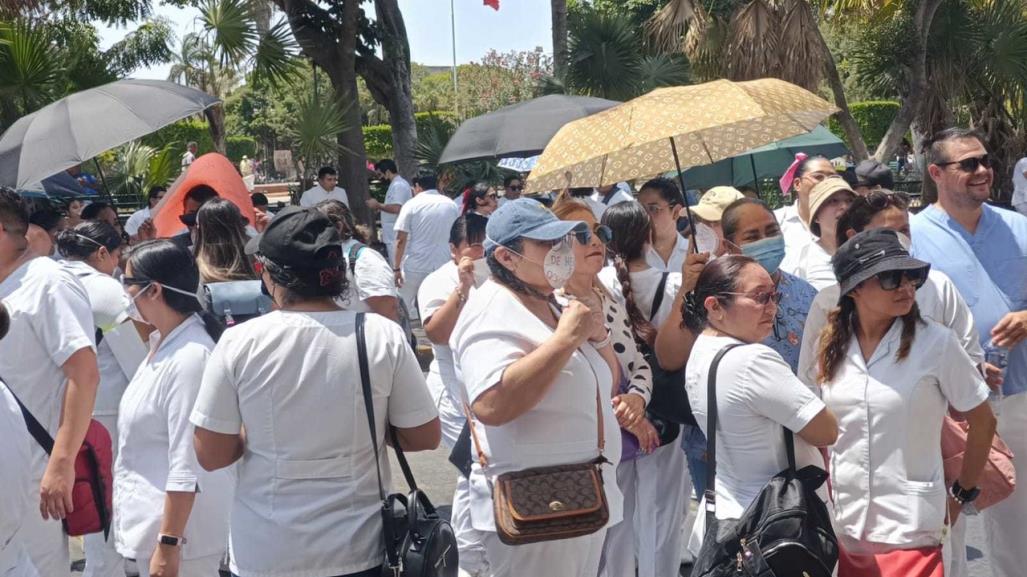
<point x="681" y="181"/>
<point x="103" y="180"/>
<point x="755" y="177"/>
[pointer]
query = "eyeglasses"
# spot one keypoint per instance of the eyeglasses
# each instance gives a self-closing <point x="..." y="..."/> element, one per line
<point x="491" y="195"/>
<point x="135" y="281"/>
<point x="657" y="209"/>
<point x="761" y="298"/>
<point x="892" y="279"/>
<point x="969" y="164"/>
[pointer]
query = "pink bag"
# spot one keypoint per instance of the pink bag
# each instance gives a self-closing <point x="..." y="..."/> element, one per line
<point x="999" y="476"/>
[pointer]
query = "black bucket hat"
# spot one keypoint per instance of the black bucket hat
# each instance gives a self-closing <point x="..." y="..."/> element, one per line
<point x="299" y="237"/>
<point x="869" y="253"/>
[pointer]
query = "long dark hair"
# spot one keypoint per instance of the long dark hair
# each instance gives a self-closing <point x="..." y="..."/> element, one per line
<point x="631" y="227"/>
<point x="82" y="241"/>
<point x="164" y="262"/>
<point x="718" y="278"/>
<point x="221" y="243"/>
<point x="666" y="188"/>
<point x="471" y="196"/>
<point x="863" y="209"/>
<point x="342" y="218"/>
<point x="842" y="323"/>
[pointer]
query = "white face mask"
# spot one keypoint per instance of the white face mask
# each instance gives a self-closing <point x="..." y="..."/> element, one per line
<point x="706" y="239"/>
<point x="559" y="264"/>
<point x="481" y="272"/>
<point x="133" y="311"/>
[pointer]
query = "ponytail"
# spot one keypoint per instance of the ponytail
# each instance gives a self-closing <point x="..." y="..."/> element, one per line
<point x="644" y="331"/>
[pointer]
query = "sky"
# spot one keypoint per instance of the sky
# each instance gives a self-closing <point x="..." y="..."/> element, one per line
<point x="518" y="25"/>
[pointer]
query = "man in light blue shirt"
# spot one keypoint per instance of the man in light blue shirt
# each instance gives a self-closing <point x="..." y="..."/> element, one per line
<point x="984" y="251"/>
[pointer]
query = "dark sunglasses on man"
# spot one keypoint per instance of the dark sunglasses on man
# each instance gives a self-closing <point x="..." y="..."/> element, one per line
<point x="892" y="279"/>
<point x="969" y="164"/>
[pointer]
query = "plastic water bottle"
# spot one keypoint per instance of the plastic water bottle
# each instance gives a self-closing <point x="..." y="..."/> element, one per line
<point x="999" y="357"/>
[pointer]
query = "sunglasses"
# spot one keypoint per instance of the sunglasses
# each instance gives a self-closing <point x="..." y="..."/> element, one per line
<point x="882" y="199"/>
<point x="969" y="164"/>
<point x="603" y="233"/>
<point x="135" y="281"/>
<point x="188" y="219"/>
<point x="892" y="279"/>
<point x="582" y="236"/>
<point x="761" y="298"/>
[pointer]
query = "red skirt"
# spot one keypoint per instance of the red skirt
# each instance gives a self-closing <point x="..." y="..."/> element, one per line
<point x="899" y="563"/>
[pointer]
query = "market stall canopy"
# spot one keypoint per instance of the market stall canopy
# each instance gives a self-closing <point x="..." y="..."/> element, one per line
<point x="518" y="130"/>
<point x="673" y="127"/>
<point x="78" y="127"/>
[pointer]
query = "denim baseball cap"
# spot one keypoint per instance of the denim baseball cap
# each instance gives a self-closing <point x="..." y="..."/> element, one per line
<point x="526" y="218"/>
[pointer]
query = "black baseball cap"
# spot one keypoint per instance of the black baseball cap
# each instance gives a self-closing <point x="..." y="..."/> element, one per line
<point x="868" y="253"/>
<point x="872" y="173"/>
<point x="299" y="237"/>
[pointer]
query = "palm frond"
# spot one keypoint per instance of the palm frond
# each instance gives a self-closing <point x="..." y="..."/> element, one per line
<point x="315" y="130"/>
<point x="656" y="71"/>
<point x="229" y="23"/>
<point x="547" y="85"/>
<point x="275" y="57"/>
<point x="604" y="55"/>
<point x="30" y="71"/>
<point x="666" y="29"/>
<point x="802" y="57"/>
<point x="705" y="44"/>
<point x="752" y="51"/>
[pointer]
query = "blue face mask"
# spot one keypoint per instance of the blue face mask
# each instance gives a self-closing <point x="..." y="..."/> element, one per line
<point x="769" y="252"/>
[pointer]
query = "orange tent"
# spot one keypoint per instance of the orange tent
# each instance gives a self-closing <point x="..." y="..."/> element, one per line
<point x="211" y="169"/>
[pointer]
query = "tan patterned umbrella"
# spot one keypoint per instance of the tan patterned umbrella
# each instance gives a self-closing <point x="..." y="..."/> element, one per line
<point x="671" y="128"/>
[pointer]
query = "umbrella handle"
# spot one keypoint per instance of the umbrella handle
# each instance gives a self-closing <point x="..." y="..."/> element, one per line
<point x="681" y="181"/>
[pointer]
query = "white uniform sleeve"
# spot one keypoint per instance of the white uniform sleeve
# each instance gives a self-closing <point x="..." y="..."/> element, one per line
<point x="176" y="401"/>
<point x="398" y="193"/>
<point x="307" y="200"/>
<point x="67" y="326"/>
<point x="410" y="402"/>
<point x="959" y="318"/>
<point x="485" y="354"/>
<point x="434" y="292"/>
<point x="773" y="391"/>
<point x="134" y="222"/>
<point x="217" y="404"/>
<point x="110" y="303"/>
<point x="374" y="276"/>
<point x="403" y="219"/>
<point x="816" y="320"/>
<point x="958" y="377"/>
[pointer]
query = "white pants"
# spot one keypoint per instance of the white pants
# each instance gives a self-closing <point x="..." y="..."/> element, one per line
<point x="201" y="567"/>
<point x="663" y="491"/>
<point x="102" y="559"/>
<point x="46" y="544"/>
<point x="953" y="550"/>
<point x="618" y="557"/>
<point x="15" y="561"/>
<point x="577" y="557"/>
<point x="408" y="292"/>
<point x="1004" y="521"/>
<point x="470" y="542"/>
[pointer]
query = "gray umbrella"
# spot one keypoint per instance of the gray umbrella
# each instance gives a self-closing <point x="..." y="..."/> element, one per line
<point x="522" y="129"/>
<point x="78" y="127"/>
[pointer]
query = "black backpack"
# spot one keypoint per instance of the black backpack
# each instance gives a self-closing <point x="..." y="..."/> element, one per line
<point x="236" y="301"/>
<point x="785" y="531"/>
<point x="669" y="402"/>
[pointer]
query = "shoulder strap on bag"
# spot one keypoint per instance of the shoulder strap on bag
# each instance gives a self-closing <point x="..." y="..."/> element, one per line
<point x="353" y="255"/>
<point x="36" y="429"/>
<point x="711" y="435"/>
<point x="658" y="297"/>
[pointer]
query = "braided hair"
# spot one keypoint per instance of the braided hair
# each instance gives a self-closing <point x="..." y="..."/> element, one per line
<point x="631" y="229"/>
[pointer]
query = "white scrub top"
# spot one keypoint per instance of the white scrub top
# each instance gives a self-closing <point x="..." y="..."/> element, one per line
<point x="18" y="494"/>
<point x="433" y="293"/>
<point x="317" y="193"/>
<point x="677" y="257"/>
<point x="156" y="454"/>
<point x="888" y="483"/>
<point x="796" y="236"/>
<point x="371" y="276"/>
<point x="427" y="219"/>
<point x="307" y="501"/>
<point x="814" y="266"/>
<point x="398" y="193"/>
<point x="494" y="331"/>
<point x="938" y="301"/>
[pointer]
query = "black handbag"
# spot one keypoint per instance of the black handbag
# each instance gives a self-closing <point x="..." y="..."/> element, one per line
<point x="785" y="532"/>
<point x="417" y="542"/>
<point x="668" y="407"/>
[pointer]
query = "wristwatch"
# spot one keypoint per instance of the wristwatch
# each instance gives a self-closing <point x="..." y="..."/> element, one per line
<point x="170" y="540"/>
<point x="963" y="496"/>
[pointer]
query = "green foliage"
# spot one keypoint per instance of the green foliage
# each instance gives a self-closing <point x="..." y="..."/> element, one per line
<point x="638" y="11"/>
<point x="238" y="145"/>
<point x="378" y="141"/>
<point x="433" y="135"/>
<point x="378" y="138"/>
<point x="177" y="135"/>
<point x="29" y="74"/>
<point x="873" y="118"/>
<point x="138" y="167"/>
<point x="315" y="130"/>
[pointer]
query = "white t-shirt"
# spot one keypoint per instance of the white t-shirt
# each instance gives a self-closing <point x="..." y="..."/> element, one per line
<point x="50" y="320"/>
<point x="888" y="483"/>
<point x="318" y="194"/>
<point x="494" y="331"/>
<point x="814" y="266"/>
<point x="307" y="499"/>
<point x="427" y="219"/>
<point x="156" y="454"/>
<point x="1020" y="182"/>
<point x="617" y="196"/>
<point x="677" y="257"/>
<point x="938" y="300"/>
<point x="18" y="494"/>
<point x="399" y="192"/>
<point x="757" y="395"/>
<point x="109" y="304"/>
<point x="796" y="235"/>
<point x="136" y="220"/>
<point x="643" y="286"/>
<point x="374" y="278"/>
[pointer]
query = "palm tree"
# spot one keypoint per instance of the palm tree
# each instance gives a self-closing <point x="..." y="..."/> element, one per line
<point x="559" y="12"/>
<point x="30" y="75"/>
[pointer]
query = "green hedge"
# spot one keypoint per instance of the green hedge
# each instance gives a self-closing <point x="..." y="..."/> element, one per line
<point x="237" y="146"/>
<point x="180" y="133"/>
<point x="873" y="117"/>
<point x="378" y="137"/>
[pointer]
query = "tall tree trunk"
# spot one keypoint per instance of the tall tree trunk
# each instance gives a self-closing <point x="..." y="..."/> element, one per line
<point x="396" y="52"/>
<point x="912" y="95"/>
<point x="559" y="10"/>
<point x="216" y="123"/>
<point x="849" y="126"/>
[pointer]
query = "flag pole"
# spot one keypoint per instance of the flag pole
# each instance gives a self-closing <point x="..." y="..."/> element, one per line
<point x="456" y="94"/>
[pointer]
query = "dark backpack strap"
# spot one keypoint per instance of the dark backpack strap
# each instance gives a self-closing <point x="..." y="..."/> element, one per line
<point x="609" y="195"/>
<point x="658" y="297"/>
<point x="353" y="255"/>
<point x="36" y="429"/>
<point x="711" y="436"/>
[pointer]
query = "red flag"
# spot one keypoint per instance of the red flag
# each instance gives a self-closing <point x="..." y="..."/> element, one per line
<point x="493" y="3"/>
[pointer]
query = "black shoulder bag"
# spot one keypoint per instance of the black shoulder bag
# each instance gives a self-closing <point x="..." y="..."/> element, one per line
<point x="418" y="543"/>
<point x="669" y="402"/>
<point x="785" y="531"/>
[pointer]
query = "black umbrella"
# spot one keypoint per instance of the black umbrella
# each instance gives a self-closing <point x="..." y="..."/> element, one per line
<point x="522" y="129"/>
<point x="78" y="127"/>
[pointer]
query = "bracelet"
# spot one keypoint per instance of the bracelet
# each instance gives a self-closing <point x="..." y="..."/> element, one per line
<point x="604" y="342"/>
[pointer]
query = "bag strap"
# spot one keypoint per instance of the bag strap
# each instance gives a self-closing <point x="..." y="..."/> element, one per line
<point x="609" y="195"/>
<point x="711" y="435"/>
<point x="658" y="297"/>
<point x="36" y="429"/>
<point x="353" y="255"/>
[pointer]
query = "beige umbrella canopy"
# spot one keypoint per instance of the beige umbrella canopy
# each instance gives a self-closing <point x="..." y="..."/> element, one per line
<point x="671" y="128"/>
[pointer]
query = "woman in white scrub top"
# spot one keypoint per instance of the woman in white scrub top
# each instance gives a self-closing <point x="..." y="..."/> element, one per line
<point x="440" y="299"/>
<point x="91" y="252"/>
<point x="827" y="202"/>
<point x="891" y="377"/>
<point x="532" y="374"/>
<point x="169" y="514"/>
<point x="664" y="202"/>
<point x="734" y="303"/>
